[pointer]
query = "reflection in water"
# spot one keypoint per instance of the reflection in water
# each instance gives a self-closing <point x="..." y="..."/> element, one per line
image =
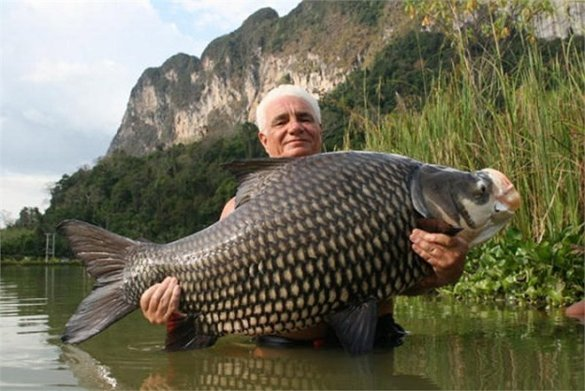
<point x="239" y="366"/>
<point x="495" y="347"/>
<point x="89" y="372"/>
<point x="452" y="345"/>
<point x="452" y="349"/>
<point x="26" y="358"/>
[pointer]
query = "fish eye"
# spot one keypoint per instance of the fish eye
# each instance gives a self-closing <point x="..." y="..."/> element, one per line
<point x="481" y="190"/>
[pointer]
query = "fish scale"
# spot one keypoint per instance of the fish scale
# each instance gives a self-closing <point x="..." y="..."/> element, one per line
<point x="312" y="239"/>
<point x="338" y="247"/>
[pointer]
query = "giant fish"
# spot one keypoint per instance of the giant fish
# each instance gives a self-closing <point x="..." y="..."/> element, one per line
<point x="322" y="238"/>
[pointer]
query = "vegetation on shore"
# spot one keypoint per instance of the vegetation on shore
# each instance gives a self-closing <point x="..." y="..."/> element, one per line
<point x="487" y="94"/>
<point x="510" y="103"/>
<point x="35" y="261"/>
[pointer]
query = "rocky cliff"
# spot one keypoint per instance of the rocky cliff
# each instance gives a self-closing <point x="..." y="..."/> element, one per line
<point x="315" y="46"/>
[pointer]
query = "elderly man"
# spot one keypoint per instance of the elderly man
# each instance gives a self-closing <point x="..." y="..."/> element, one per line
<point x="289" y="123"/>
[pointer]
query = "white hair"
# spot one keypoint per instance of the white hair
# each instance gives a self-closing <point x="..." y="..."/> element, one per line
<point x="285" y="90"/>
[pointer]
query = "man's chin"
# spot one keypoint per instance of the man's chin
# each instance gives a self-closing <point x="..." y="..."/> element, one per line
<point x="297" y="151"/>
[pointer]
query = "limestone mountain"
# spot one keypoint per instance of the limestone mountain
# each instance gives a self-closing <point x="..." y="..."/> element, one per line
<point x="315" y="46"/>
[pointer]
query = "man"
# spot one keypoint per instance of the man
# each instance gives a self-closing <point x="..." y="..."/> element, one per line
<point x="289" y="123"/>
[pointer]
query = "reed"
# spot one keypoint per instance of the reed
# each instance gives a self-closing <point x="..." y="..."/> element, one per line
<point x="527" y="122"/>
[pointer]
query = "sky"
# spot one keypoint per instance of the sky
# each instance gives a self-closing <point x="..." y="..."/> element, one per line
<point x="66" y="71"/>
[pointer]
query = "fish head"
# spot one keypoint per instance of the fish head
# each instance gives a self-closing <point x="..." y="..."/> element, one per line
<point x="503" y="202"/>
<point x="478" y="204"/>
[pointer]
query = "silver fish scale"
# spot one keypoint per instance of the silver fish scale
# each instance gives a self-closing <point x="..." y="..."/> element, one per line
<point x="322" y="233"/>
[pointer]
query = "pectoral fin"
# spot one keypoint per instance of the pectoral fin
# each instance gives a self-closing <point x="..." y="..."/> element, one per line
<point x="185" y="334"/>
<point x="356" y="327"/>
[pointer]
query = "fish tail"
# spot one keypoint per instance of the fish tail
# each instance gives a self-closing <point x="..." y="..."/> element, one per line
<point x="104" y="255"/>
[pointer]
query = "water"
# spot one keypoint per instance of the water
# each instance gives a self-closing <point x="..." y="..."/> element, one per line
<point x="451" y="345"/>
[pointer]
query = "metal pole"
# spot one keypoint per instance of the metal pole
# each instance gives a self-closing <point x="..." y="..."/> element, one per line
<point x="46" y="247"/>
<point x="53" y="247"/>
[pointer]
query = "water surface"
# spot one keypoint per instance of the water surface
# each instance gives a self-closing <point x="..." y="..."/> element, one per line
<point x="451" y="345"/>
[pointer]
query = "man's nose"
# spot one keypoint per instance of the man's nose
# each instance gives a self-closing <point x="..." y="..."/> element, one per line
<point x="295" y="126"/>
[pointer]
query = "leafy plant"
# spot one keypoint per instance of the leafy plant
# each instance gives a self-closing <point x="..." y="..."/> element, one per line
<point x="516" y="269"/>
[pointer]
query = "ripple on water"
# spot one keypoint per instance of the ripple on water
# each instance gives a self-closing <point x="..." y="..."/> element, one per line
<point x="28" y="359"/>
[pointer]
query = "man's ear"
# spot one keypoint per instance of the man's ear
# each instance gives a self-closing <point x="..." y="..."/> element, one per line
<point x="263" y="139"/>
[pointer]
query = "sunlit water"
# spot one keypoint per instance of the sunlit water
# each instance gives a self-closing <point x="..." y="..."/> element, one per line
<point x="451" y="345"/>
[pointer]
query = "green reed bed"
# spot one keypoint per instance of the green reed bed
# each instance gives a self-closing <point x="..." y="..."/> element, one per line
<point x="528" y="122"/>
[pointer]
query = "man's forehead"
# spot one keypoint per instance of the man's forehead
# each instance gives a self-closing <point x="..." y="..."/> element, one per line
<point x="284" y="104"/>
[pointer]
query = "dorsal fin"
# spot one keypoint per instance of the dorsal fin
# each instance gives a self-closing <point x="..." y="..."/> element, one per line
<point x="252" y="175"/>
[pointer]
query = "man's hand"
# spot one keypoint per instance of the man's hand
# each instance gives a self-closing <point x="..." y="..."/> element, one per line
<point x="161" y="300"/>
<point x="446" y="254"/>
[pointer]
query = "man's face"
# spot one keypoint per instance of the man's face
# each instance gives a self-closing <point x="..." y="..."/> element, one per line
<point x="291" y="128"/>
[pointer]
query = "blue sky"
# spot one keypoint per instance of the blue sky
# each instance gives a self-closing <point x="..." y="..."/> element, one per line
<point x="67" y="68"/>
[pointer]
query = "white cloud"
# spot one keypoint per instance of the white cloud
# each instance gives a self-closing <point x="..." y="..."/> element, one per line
<point x="60" y="71"/>
<point x="35" y="116"/>
<point x="219" y="16"/>
<point x="17" y="191"/>
<point x="228" y="8"/>
<point x="81" y="59"/>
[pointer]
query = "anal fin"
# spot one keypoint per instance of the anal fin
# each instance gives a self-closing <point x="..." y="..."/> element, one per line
<point x="356" y="327"/>
<point x="184" y="333"/>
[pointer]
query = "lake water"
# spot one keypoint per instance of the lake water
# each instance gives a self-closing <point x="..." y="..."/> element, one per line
<point x="451" y="345"/>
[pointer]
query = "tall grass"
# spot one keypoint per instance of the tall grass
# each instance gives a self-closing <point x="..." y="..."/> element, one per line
<point x="527" y="122"/>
